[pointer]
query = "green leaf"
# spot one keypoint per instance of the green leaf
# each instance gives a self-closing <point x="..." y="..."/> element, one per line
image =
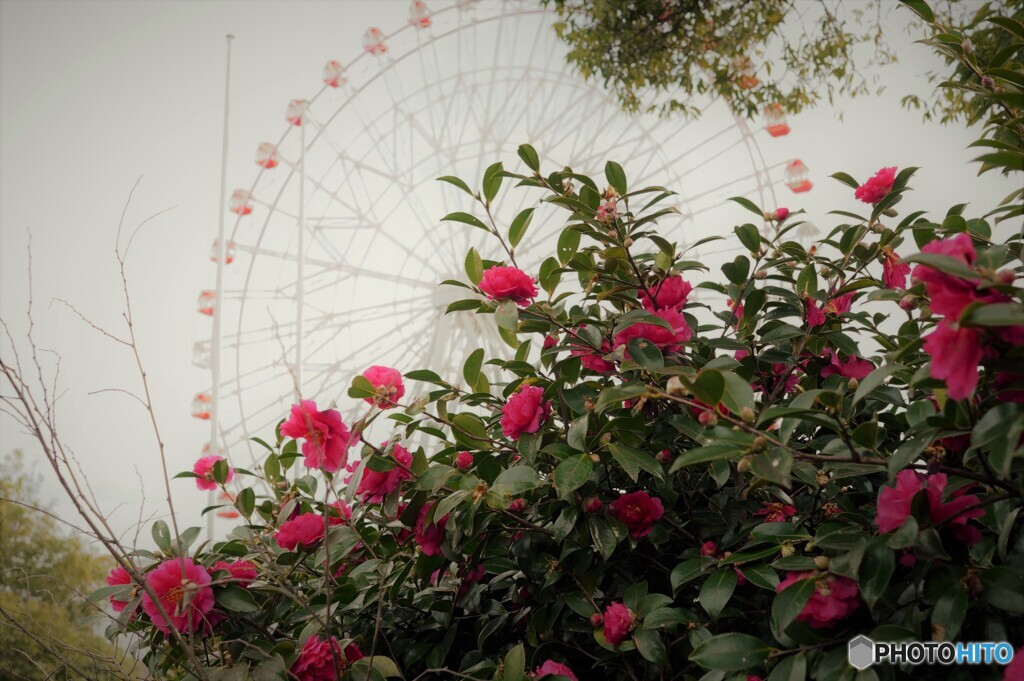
<point x="492" y="181"/>
<point x="466" y="219"/>
<point x="469" y="430"/>
<point x="1004" y="588"/>
<point x="568" y="244"/>
<point x="634" y="460"/>
<point x="792" y="668"/>
<point x="775" y="465"/>
<point x="245" y="502"/>
<point x="162" y="536"/>
<point x="614" y="396"/>
<point x="876" y="570"/>
<point x="949" y="612"/>
<point x="749" y="205"/>
<point x="737" y="270"/>
<point x="577" y="435"/>
<point x="712" y="452"/>
<point x="749" y="236"/>
<point x="361" y="669"/>
<point x="456" y="182"/>
<point x="688" y="570"/>
<point x="709" y="387"/>
<point x="650" y="646"/>
<point x="361" y="388"/>
<point x="943" y="263"/>
<point x="874" y="380"/>
<point x="474" y="266"/>
<point x="572" y="473"/>
<point x="514" y="481"/>
<point x="507" y="315"/>
<point x="717" y="590"/>
<point x="237" y="599"/>
<point x="738" y="394"/>
<point x="616" y="176"/>
<point x="515" y="664"/>
<point x="471" y="369"/>
<point x="529" y="156"/>
<point x="993" y="314"/>
<point x="845" y="179"/>
<point x="646" y="354"/>
<point x="730" y="652"/>
<point x="790" y="602"/>
<point x="519" y="226"/>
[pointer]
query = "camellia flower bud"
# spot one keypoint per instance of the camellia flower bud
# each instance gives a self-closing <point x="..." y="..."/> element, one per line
<point x="592" y="504"/>
<point x="596" y="458"/>
<point x="743" y="466"/>
<point x="747" y="414"/>
<point x="596" y="620"/>
<point x="517" y="505"/>
<point x="628" y="242"/>
<point x="708" y="418"/>
<point x="987" y="82"/>
<point x="908" y="302"/>
<point x="760" y="274"/>
<point x="1006" y="277"/>
<point x="889" y="213"/>
<point x="464" y="461"/>
<point x="664" y="456"/>
<point x="853" y="384"/>
<point x="606" y="438"/>
<point x="787" y="550"/>
<point x="822" y="478"/>
<point x="967" y="46"/>
<point x="822" y="562"/>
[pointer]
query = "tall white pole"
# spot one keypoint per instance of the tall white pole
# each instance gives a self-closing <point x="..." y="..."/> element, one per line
<point x="301" y="283"/>
<point x="219" y="291"/>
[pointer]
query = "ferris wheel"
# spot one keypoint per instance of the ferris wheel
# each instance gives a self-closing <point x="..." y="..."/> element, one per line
<point x="336" y="252"/>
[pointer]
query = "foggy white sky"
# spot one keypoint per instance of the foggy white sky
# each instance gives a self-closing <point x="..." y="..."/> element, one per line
<point x="94" y="95"/>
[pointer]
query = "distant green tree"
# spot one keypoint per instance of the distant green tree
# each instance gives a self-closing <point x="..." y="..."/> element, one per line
<point x="663" y="55"/>
<point x="670" y="55"/>
<point x="44" y="570"/>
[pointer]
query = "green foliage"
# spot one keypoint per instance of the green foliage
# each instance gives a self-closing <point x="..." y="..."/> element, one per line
<point x="667" y="55"/>
<point x="44" y="571"/>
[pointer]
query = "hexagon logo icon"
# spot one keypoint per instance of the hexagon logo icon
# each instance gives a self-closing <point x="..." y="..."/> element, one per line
<point x="861" y="652"/>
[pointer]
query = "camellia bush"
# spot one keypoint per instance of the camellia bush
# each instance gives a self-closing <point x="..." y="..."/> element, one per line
<point x="672" y="473"/>
<point x="648" y="486"/>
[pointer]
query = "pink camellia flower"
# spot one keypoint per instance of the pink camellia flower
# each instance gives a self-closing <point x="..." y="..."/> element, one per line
<point x="508" y="283"/>
<point x="639" y="511"/>
<point x="955" y="353"/>
<point x="894" y="270"/>
<point x="815" y="317"/>
<point x="517" y="505"/>
<point x="375" y="485"/>
<point x="834" y="599"/>
<point x="618" y="623"/>
<point x="117" y="577"/>
<point x="670" y="293"/>
<point x="854" y="367"/>
<point x="776" y="512"/>
<point x="839" y="305"/>
<point x="709" y="548"/>
<point x="464" y="461"/>
<point x="326" y="439"/>
<point x="590" y="359"/>
<point x="183" y="590"/>
<point x="550" y="341"/>
<point x="737" y="312"/>
<point x="607" y="211"/>
<point x="754" y="677"/>
<point x="875" y="189"/>
<point x="204" y="469"/>
<point x="525" y="412"/>
<point x="592" y="504"/>
<point x="552" y="668"/>
<point x="950" y="294"/>
<point x="658" y="335"/>
<point x="388" y="383"/>
<point x="316" y="661"/>
<point x="780" y="214"/>
<point x="242" y="571"/>
<point x="306" y="529"/>
<point x="1015" y="670"/>
<point x="894" y="505"/>
<point x="342" y="512"/>
<point x="429" y="537"/>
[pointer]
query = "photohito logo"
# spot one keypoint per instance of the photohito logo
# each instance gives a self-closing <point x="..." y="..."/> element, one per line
<point x="863" y="652"/>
